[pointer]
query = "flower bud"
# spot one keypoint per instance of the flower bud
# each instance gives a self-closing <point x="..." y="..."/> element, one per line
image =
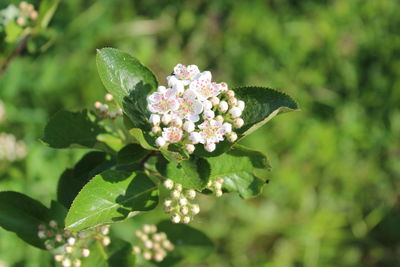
<point x="191" y="194"/>
<point x="195" y="209"/>
<point x="184" y="210"/>
<point x="103" y="108"/>
<point x="189" y="126"/>
<point x="232" y="137"/>
<point x="214" y="100"/>
<point x="77" y="263"/>
<point x="178" y="187"/>
<point x="136" y="250"/>
<point x="42" y="234"/>
<point x="219" y="119"/>
<point x="232" y="101"/>
<point x="210" y="147"/>
<point x="105" y="229"/>
<point x="195" y="137"/>
<point x="186" y="219"/>
<point x="223" y="106"/>
<point x="223" y="87"/>
<point x="227" y="127"/>
<point x="53" y="223"/>
<point x="71" y="241"/>
<point x="147" y="255"/>
<point x="217" y="185"/>
<point x="68" y="249"/>
<point x="160" y="141"/>
<point x="238" y="123"/>
<point x="176" y="122"/>
<point x="119" y="112"/>
<point x="155" y="119"/>
<point x="218" y="193"/>
<point x="58" y="257"/>
<point x="167" y="203"/>
<point x="85" y="252"/>
<point x="183" y="201"/>
<point x="166" y="118"/>
<point x="148" y="244"/>
<point x="106" y="241"/>
<point x="49" y="246"/>
<point x="167" y="209"/>
<point x="147" y="228"/>
<point x="230" y="93"/>
<point x="241" y="104"/>
<point x="109" y="97"/>
<point x="66" y="263"/>
<point x="235" y="112"/>
<point x="190" y="148"/>
<point x="21" y="21"/>
<point x="208" y="114"/>
<point x="158" y="257"/>
<point x="207" y="105"/>
<point x="97" y="104"/>
<point x="169" y="184"/>
<point x="176" y="218"/>
<point x="175" y="194"/>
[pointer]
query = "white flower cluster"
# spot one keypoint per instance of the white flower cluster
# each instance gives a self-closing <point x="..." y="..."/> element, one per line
<point x="27" y="14"/>
<point x="193" y="110"/>
<point x="215" y="185"/>
<point x="70" y="247"/>
<point x="10" y="148"/>
<point x="154" y="245"/>
<point x="104" y="109"/>
<point x="179" y="203"/>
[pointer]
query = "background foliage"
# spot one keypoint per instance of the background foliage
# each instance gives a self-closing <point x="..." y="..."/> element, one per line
<point x="333" y="196"/>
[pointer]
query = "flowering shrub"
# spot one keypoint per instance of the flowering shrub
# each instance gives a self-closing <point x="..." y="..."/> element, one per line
<point x="152" y="143"/>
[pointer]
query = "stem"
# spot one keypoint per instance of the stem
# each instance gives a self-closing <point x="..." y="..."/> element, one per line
<point x="152" y="153"/>
<point x="18" y="50"/>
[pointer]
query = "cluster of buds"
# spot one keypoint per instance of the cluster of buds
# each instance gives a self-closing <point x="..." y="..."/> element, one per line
<point x="70" y="247"/>
<point x="10" y="148"/>
<point x="154" y="245"/>
<point x="215" y="185"/>
<point x="27" y="14"/>
<point x="178" y="204"/>
<point x="104" y="111"/>
<point x="194" y="110"/>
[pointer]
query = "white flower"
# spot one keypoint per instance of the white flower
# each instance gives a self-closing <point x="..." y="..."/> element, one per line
<point x="154" y="119"/>
<point x="85" y="252"/>
<point x="167" y="202"/>
<point x="227" y="127"/>
<point x="186" y="73"/>
<point x="195" y="138"/>
<point x="235" y="112"/>
<point x="191" y="194"/>
<point x="189" y="126"/>
<point x="189" y="107"/>
<point x="172" y="134"/>
<point x="71" y="241"/>
<point x="106" y="241"/>
<point x="58" y="257"/>
<point x="176" y="84"/>
<point x="212" y="131"/>
<point x="166" y="118"/>
<point x="238" y="123"/>
<point x="66" y="263"/>
<point x="161" y="89"/>
<point x="208" y="114"/>
<point x="195" y="209"/>
<point x="169" y="184"/>
<point x="207" y="105"/>
<point x="204" y="88"/>
<point x="190" y="148"/>
<point x="241" y="104"/>
<point x="176" y="218"/>
<point x="160" y="141"/>
<point x="183" y="201"/>
<point x="223" y="106"/>
<point x="163" y="101"/>
<point x="210" y="147"/>
<point x="108" y="97"/>
<point x="186" y="219"/>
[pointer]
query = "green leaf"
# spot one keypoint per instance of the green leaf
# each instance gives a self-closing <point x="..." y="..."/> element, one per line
<point x="189" y="243"/>
<point x="237" y="167"/>
<point x="13" y="32"/>
<point x="67" y="128"/>
<point x="130" y="154"/>
<point x="128" y="81"/>
<point x="143" y="140"/>
<point x="57" y="212"/>
<point x="117" y="254"/>
<point x="46" y="11"/>
<point x="110" y="197"/>
<point x="22" y="215"/>
<point x="72" y="180"/>
<point x="261" y="105"/>
<point x="192" y="173"/>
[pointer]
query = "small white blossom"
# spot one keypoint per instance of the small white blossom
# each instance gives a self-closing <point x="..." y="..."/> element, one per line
<point x="106" y="241"/>
<point x="227" y="127"/>
<point x="230" y="93"/>
<point x="163" y="102"/>
<point x="223" y="106"/>
<point x="58" y="257"/>
<point x="190" y="148"/>
<point x="109" y="97"/>
<point x="186" y="73"/>
<point x="238" y="123"/>
<point x="235" y="112"/>
<point x="66" y="262"/>
<point x="160" y="141"/>
<point x="232" y="101"/>
<point x="210" y="147"/>
<point x="176" y="84"/>
<point x="172" y="134"/>
<point x="195" y="209"/>
<point x="195" y="138"/>
<point x="211" y="132"/>
<point x="208" y="114"/>
<point x="189" y="106"/>
<point x="191" y="194"/>
<point x="155" y="119"/>
<point x="232" y="137"/>
<point x="183" y="201"/>
<point x="167" y="202"/>
<point x="166" y="119"/>
<point x="71" y="241"/>
<point x="176" y="218"/>
<point x="204" y="88"/>
<point x="189" y="126"/>
<point x="169" y="184"/>
<point x="177" y="122"/>
<point x="186" y="219"/>
<point x="207" y="104"/>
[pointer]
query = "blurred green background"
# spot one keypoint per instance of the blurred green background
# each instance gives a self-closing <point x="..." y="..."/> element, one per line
<point x="333" y="196"/>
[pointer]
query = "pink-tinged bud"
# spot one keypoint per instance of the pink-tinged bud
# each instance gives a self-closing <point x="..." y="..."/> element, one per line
<point x="235" y="112"/>
<point x="160" y="141"/>
<point x="189" y="126"/>
<point x="223" y="106"/>
<point x="155" y="119"/>
<point x="210" y="147"/>
<point x="207" y="105"/>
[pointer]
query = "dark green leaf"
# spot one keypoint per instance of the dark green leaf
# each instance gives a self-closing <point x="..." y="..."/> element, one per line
<point x="190" y="244"/>
<point x="67" y="128"/>
<point x="237" y="168"/>
<point x="22" y="215"/>
<point x="72" y="180"/>
<point x="57" y="212"/>
<point x="192" y="173"/>
<point x="130" y="154"/>
<point x="110" y="197"/>
<point x="128" y="81"/>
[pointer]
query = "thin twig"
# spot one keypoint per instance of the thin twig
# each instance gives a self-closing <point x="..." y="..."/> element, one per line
<point x="18" y="50"/>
